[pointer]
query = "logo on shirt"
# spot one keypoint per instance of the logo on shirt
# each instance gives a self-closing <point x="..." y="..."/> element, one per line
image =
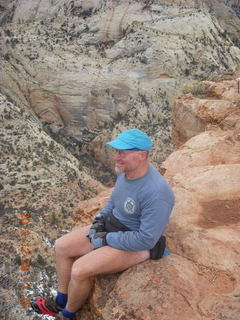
<point x="129" y="206"/>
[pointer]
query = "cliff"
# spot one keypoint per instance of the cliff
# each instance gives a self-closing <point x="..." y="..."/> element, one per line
<point x="91" y="68"/>
<point x="40" y="184"/>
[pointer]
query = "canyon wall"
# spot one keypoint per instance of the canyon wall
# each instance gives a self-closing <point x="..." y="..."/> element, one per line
<point x="91" y="68"/>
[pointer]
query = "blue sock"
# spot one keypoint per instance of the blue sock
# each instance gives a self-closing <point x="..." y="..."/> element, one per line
<point x="67" y="314"/>
<point x="61" y="299"/>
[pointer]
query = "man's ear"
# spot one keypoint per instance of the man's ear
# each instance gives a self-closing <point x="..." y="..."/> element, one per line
<point x="144" y="155"/>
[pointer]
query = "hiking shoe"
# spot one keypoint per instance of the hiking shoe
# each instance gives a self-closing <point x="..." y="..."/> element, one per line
<point x="61" y="317"/>
<point x="44" y="306"/>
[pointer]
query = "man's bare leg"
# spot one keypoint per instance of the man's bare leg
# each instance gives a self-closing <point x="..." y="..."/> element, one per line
<point x="105" y="260"/>
<point x="69" y="247"/>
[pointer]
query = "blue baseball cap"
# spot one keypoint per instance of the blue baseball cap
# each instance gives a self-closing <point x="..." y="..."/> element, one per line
<point x="134" y="139"/>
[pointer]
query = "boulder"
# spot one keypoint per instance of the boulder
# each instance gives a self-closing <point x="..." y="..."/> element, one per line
<point x="172" y="288"/>
<point x="216" y="106"/>
<point x="213" y="147"/>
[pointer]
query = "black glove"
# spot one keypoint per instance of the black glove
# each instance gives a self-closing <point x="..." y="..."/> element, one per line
<point x="99" y="240"/>
<point x="97" y="226"/>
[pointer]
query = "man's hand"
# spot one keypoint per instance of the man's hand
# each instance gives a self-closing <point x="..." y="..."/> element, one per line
<point x="97" y="226"/>
<point x="99" y="240"/>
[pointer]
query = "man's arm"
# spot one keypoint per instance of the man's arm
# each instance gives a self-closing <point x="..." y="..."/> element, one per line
<point x="155" y="216"/>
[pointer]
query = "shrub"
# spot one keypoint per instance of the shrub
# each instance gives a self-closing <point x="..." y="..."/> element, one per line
<point x="7" y="56"/>
<point x="194" y="88"/>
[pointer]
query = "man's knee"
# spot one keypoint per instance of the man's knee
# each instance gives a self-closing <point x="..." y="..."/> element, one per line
<point x="73" y="244"/>
<point x="79" y="272"/>
<point x="61" y="247"/>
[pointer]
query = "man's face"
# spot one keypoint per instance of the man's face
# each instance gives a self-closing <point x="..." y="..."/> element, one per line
<point x="127" y="160"/>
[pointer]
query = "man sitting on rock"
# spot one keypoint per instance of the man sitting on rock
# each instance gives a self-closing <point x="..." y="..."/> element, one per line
<point x="129" y="229"/>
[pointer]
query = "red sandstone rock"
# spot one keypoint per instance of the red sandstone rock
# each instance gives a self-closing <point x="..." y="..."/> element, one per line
<point x="208" y="148"/>
<point x="48" y="107"/>
<point x="218" y="108"/>
<point x="86" y="211"/>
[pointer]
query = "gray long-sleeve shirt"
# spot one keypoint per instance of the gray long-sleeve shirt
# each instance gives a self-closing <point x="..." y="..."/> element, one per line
<point x="144" y="206"/>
